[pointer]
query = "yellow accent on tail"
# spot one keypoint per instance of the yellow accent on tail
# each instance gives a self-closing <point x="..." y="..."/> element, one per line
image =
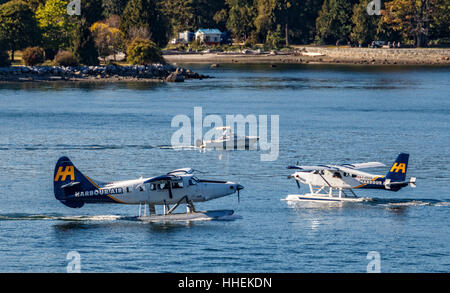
<point x="62" y="175"/>
<point x="398" y="167"/>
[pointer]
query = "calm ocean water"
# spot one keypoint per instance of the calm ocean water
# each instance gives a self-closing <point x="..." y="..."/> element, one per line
<point x="328" y="114"/>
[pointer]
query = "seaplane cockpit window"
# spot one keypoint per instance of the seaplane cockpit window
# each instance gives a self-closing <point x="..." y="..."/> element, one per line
<point x="315" y="172"/>
<point x="192" y="182"/>
<point x="140" y="188"/>
<point x="152" y="186"/>
<point x="337" y="175"/>
<point x="128" y="189"/>
<point x="162" y="186"/>
<point x="177" y="185"/>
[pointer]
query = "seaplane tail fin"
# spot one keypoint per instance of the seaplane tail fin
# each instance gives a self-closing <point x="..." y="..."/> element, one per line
<point x="67" y="180"/>
<point x="398" y="170"/>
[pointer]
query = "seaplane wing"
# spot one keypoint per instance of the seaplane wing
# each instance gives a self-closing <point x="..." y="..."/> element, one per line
<point x="162" y="178"/>
<point x="344" y="167"/>
<point x="181" y="171"/>
<point x="312" y="168"/>
<point x="363" y="165"/>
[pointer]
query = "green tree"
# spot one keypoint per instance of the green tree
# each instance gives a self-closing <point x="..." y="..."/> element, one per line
<point x="241" y="18"/>
<point x="143" y="51"/>
<point x="56" y="26"/>
<point x="18" y="26"/>
<point x="303" y="20"/>
<point x="334" y="21"/>
<point x="34" y="4"/>
<point x="194" y="14"/>
<point x="91" y="10"/>
<point x="274" y="13"/>
<point x="4" y="58"/>
<point x="113" y="7"/>
<point x="84" y="48"/>
<point x="364" y="25"/>
<point x="440" y="24"/>
<point x="148" y="15"/>
<point x="274" y="39"/>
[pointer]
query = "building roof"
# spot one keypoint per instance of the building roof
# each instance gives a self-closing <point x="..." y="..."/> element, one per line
<point x="209" y="31"/>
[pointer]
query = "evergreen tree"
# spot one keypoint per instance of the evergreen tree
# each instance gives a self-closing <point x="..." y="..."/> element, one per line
<point x="91" y="10"/>
<point x="241" y="18"/>
<point x="364" y="25"/>
<point x="18" y="26"/>
<point x="194" y="14"/>
<point x="146" y="15"/>
<point x="334" y="21"/>
<point x="303" y="21"/>
<point x="84" y="48"/>
<point x="440" y="24"/>
<point x="279" y="15"/>
<point x="181" y="14"/>
<point x="113" y="7"/>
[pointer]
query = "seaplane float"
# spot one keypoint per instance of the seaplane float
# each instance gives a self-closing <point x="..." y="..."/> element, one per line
<point x="335" y="183"/>
<point x="178" y="187"/>
<point x="228" y="140"/>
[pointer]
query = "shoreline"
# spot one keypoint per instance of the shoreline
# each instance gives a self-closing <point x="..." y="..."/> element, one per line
<point x="110" y="73"/>
<point x="321" y="55"/>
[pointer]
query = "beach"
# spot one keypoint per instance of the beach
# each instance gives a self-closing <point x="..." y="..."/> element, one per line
<point x="321" y="55"/>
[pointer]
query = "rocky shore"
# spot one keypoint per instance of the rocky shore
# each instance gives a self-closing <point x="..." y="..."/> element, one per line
<point x="153" y="73"/>
<point x="322" y="55"/>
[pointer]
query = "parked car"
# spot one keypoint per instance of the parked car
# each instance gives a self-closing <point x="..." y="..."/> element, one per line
<point x="377" y="44"/>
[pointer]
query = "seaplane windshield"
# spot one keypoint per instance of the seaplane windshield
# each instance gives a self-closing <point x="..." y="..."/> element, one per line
<point x="193" y="180"/>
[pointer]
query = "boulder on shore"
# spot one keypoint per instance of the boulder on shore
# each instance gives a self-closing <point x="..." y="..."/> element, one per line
<point x="157" y="72"/>
<point x="175" y="77"/>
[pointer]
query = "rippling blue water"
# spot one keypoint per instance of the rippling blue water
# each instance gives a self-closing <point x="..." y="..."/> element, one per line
<point x="327" y="114"/>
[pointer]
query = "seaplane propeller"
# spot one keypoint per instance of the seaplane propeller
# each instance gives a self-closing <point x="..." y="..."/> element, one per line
<point x="239" y="187"/>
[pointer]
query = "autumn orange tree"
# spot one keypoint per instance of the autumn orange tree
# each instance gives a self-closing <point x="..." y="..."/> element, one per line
<point x="412" y="18"/>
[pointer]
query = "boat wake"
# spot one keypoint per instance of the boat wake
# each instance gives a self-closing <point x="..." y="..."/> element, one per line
<point x="409" y="202"/>
<point x="97" y="218"/>
<point x="56" y="217"/>
<point x="391" y="203"/>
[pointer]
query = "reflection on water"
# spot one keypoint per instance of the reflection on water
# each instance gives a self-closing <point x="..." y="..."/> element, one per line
<point x="82" y="86"/>
<point x="328" y="114"/>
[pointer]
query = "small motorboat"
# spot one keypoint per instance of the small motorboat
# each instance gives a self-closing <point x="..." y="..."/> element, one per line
<point x="229" y="140"/>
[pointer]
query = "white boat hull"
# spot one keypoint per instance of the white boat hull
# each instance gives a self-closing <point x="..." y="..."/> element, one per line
<point x="194" y="216"/>
<point x="246" y="143"/>
<point x="322" y="198"/>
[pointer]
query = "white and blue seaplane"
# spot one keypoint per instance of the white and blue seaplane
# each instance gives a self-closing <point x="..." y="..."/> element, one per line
<point x="181" y="186"/>
<point x="335" y="183"/>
